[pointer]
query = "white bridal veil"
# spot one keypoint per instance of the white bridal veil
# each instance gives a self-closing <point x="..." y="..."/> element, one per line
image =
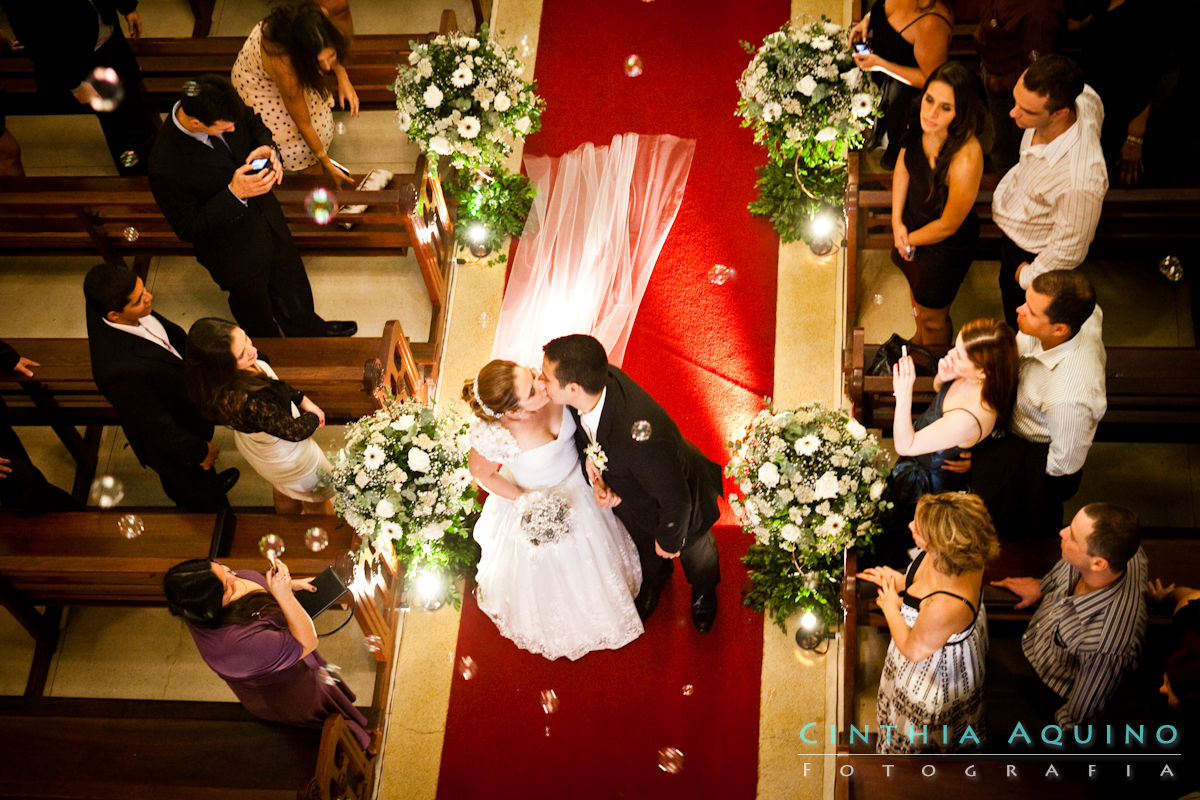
<point x="598" y="223"/>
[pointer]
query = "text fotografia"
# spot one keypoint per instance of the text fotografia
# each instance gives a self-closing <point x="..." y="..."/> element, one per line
<point x="1083" y="737"/>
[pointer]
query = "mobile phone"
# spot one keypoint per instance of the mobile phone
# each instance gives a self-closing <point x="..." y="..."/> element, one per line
<point x="339" y="166"/>
<point x="862" y="48"/>
<point x="258" y="165"/>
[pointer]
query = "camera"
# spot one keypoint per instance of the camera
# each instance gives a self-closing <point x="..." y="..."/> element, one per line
<point x="258" y="165"/>
<point x="862" y="48"/>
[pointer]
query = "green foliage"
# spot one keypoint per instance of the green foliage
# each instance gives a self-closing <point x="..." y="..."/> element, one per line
<point x="500" y="202"/>
<point x="782" y="200"/>
<point x="779" y="586"/>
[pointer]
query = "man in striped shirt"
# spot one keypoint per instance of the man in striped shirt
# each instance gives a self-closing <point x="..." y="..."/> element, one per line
<point x="1087" y="634"/>
<point x="1047" y="206"/>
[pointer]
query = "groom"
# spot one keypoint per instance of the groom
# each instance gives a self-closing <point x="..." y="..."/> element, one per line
<point x="659" y="484"/>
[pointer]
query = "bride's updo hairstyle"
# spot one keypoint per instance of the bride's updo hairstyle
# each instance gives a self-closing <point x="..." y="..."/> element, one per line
<point x="491" y="393"/>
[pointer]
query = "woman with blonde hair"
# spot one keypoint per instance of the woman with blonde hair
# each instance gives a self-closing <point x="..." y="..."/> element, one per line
<point x="931" y="691"/>
<point x="558" y="574"/>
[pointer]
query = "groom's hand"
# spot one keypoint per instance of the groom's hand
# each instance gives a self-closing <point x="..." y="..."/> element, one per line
<point x="605" y="497"/>
<point x="663" y="553"/>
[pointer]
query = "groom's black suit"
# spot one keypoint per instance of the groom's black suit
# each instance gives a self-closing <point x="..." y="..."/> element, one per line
<point x="668" y="488"/>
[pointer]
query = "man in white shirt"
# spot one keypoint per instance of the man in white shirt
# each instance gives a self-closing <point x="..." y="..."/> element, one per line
<point x="137" y="362"/>
<point x="1047" y="206"/>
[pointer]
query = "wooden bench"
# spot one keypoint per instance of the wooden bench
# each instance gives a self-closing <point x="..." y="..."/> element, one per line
<point x="166" y="64"/>
<point x="152" y="749"/>
<point x="1153" y="392"/>
<point x="342" y="375"/>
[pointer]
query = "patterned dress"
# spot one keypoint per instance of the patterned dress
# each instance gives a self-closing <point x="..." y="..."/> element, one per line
<point x="945" y="689"/>
<point x="258" y="90"/>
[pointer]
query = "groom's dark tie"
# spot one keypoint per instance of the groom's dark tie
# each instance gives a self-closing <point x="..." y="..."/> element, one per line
<point x="219" y="145"/>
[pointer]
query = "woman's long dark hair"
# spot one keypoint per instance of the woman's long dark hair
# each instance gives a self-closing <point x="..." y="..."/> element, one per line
<point x="300" y="32"/>
<point x="214" y="383"/>
<point x="194" y="593"/>
<point x="970" y="113"/>
<point x="992" y="347"/>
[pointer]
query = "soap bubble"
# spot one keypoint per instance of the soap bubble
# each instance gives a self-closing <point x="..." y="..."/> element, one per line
<point x="485" y="319"/>
<point x="129" y="158"/>
<point x="720" y="274"/>
<point x="320" y="205"/>
<point x="271" y="546"/>
<point x="633" y="65"/>
<point x="106" y="491"/>
<point x="191" y="89"/>
<point x="131" y="526"/>
<point x="877" y="299"/>
<point x="688" y="689"/>
<point x="467" y="668"/>
<point x="316" y="539"/>
<point x="340" y="128"/>
<point x="526" y="46"/>
<point x="131" y="234"/>
<point x="109" y="92"/>
<point x="549" y="701"/>
<point x="640" y="431"/>
<point x="547" y="731"/>
<point x="374" y="643"/>
<point x="670" y="760"/>
<point x="1171" y="268"/>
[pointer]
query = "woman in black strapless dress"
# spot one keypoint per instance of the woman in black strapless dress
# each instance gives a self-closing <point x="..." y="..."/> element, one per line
<point x="933" y="197"/>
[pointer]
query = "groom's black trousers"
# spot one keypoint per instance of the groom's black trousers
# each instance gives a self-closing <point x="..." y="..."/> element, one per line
<point x="698" y="557"/>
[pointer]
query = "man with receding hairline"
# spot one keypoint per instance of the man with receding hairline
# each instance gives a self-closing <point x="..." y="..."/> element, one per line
<point x="1047" y="206"/>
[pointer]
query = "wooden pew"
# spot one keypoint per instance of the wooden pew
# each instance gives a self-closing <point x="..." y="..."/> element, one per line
<point x="340" y="374"/>
<point x="115" y="218"/>
<point x="166" y="64"/>
<point x="1153" y="392"/>
<point x="151" y="749"/>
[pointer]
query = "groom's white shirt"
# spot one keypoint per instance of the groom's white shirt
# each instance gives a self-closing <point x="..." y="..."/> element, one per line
<point x="591" y="420"/>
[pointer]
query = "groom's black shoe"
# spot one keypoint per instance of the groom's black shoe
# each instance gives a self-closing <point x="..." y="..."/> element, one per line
<point x="229" y="478"/>
<point x="647" y="600"/>
<point x="704" y="609"/>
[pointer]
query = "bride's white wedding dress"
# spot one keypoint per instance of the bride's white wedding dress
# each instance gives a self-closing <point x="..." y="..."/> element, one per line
<point x="563" y="598"/>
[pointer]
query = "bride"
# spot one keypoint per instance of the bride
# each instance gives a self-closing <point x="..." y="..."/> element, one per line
<point x="558" y="574"/>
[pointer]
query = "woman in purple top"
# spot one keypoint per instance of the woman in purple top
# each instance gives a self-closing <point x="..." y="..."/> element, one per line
<point x="254" y="633"/>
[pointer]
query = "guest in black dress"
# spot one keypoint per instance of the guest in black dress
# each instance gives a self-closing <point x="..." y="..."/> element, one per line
<point x="908" y="39"/>
<point x="933" y="197"/>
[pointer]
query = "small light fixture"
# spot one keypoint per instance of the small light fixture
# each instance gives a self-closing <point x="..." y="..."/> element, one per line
<point x="812" y="632"/>
<point x="430" y="590"/>
<point x="820" y="229"/>
<point x="477" y="236"/>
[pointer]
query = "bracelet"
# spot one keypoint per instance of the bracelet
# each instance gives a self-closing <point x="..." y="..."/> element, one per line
<point x="1136" y="140"/>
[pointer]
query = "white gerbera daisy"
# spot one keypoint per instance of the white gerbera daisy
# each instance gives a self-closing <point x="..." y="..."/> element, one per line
<point x="468" y="127"/>
<point x="861" y="104"/>
<point x="462" y="76"/>
<point x="373" y="457"/>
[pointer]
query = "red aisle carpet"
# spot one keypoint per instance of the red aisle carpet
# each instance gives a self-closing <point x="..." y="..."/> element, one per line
<point x="706" y="353"/>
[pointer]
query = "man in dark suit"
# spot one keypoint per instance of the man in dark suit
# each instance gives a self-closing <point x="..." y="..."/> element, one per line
<point x="659" y="484"/>
<point x="204" y="182"/>
<point x="137" y="361"/>
<point x="22" y="485"/>
<point x="67" y="40"/>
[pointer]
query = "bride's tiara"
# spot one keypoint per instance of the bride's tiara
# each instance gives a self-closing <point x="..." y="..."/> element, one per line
<point x="479" y="400"/>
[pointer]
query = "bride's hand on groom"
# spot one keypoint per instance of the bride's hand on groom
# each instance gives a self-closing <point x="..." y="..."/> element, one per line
<point x="663" y="553"/>
<point x="605" y="497"/>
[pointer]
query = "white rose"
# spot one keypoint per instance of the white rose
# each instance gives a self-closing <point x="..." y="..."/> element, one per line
<point x="472" y="44"/>
<point x="826" y="135"/>
<point x="418" y="460"/>
<point x="440" y="145"/>
<point x="876" y="490"/>
<point x="425" y="68"/>
<point x="826" y="485"/>
<point x="362" y="479"/>
<point x="501" y="102"/>
<point x="385" y="510"/>
<point x="822" y="43"/>
<point x="807" y="85"/>
<point x="433" y="96"/>
<point x="852" y="78"/>
<point x="404" y="422"/>
<point x="414" y="56"/>
<point x="768" y="474"/>
<point x="745" y="487"/>
<point x="790" y="532"/>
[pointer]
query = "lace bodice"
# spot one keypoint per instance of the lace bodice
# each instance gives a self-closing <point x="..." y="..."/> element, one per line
<point x="543" y="466"/>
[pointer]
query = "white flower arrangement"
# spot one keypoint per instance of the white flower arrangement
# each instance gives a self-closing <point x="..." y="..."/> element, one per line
<point x="807" y="103"/>
<point x="546" y="516"/>
<point x="462" y="95"/>
<point x="402" y="482"/>
<point x="811" y="485"/>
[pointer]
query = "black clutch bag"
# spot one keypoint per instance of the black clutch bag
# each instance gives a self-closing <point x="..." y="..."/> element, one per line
<point x="890" y="352"/>
<point x="329" y="588"/>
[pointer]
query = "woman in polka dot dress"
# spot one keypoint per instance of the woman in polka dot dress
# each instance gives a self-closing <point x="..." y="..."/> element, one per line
<point x="282" y="73"/>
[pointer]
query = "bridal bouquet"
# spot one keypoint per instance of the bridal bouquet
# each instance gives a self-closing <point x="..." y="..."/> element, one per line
<point x="402" y="482"/>
<point x="463" y="96"/>
<point x="811" y="485"/>
<point x="809" y="105"/>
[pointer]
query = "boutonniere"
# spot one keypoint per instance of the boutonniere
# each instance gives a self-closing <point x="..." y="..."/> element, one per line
<point x="596" y="456"/>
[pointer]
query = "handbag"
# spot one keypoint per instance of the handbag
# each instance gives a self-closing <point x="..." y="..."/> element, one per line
<point x="890" y="352"/>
